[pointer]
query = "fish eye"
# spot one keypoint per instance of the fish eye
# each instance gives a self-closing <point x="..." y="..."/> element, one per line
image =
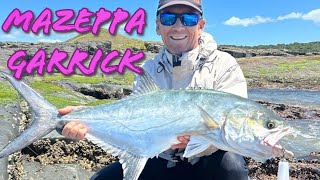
<point x="271" y="125"/>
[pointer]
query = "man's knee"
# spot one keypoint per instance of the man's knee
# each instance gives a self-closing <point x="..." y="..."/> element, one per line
<point x="233" y="161"/>
<point x="234" y="165"/>
<point x="112" y="171"/>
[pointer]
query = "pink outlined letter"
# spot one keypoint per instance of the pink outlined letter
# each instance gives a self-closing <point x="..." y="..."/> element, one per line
<point x="16" y="18"/>
<point x="17" y="68"/>
<point x="77" y="58"/>
<point x="127" y="61"/>
<point x="102" y="17"/>
<point x="38" y="61"/>
<point x="120" y="15"/>
<point x="43" y="21"/>
<point x="65" y="15"/>
<point x="105" y="62"/>
<point x="82" y="18"/>
<point x="55" y="60"/>
<point x="138" y="20"/>
<point x="93" y="63"/>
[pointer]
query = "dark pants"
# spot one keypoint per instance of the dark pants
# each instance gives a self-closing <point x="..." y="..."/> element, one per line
<point x="220" y="165"/>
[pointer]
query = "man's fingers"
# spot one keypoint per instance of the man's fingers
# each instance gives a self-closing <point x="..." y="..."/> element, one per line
<point x="69" y="109"/>
<point x="81" y="133"/>
<point x="74" y="130"/>
<point x="66" y="110"/>
<point x="67" y="128"/>
<point x="180" y="145"/>
<point x="184" y="139"/>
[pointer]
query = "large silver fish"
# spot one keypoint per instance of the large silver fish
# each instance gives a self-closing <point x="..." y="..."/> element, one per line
<point x="148" y="122"/>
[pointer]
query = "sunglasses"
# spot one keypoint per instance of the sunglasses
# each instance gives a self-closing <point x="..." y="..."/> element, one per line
<point x="187" y="19"/>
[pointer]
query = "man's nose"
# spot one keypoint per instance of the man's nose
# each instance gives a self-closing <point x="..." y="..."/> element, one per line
<point x="178" y="24"/>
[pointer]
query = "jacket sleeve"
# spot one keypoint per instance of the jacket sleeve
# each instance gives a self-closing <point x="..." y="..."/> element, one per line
<point x="230" y="77"/>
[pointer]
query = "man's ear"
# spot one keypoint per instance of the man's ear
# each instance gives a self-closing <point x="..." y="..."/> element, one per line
<point x="157" y="26"/>
<point x="201" y="25"/>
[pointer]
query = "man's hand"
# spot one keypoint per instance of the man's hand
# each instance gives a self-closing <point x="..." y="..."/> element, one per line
<point x="73" y="129"/>
<point x="183" y="142"/>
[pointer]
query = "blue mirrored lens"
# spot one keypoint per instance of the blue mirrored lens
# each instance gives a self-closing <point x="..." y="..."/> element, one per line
<point x="187" y="19"/>
<point x="168" y="19"/>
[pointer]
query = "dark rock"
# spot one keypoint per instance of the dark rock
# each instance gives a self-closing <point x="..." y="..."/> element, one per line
<point x="98" y="91"/>
<point x="153" y="47"/>
<point x="240" y="52"/>
<point x="13" y="46"/>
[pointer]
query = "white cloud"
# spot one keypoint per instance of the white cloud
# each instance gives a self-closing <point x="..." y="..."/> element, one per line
<point x="11" y="35"/>
<point x="235" y="21"/>
<point x="49" y="40"/>
<point x="290" y="16"/>
<point x="313" y="15"/>
<point x="7" y="36"/>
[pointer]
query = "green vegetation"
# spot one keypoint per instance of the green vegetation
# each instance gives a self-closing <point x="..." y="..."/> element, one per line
<point x="100" y="101"/>
<point x="281" y="72"/>
<point x="8" y="94"/>
<point x="119" y="42"/>
<point x="49" y="90"/>
<point x="283" y="67"/>
<point x="125" y="79"/>
<point x="297" y="65"/>
<point x="61" y="97"/>
<point x="311" y="47"/>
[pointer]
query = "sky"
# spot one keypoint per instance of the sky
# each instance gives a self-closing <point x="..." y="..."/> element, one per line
<point x="245" y="22"/>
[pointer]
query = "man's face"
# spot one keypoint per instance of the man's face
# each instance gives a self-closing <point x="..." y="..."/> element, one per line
<point x="179" y="38"/>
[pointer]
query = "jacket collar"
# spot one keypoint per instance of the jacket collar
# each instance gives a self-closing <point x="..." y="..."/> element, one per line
<point x="206" y="47"/>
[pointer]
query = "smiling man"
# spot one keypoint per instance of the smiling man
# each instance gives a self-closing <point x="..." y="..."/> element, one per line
<point x="188" y="60"/>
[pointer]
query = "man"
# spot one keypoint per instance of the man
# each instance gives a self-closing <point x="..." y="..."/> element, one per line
<point x="189" y="59"/>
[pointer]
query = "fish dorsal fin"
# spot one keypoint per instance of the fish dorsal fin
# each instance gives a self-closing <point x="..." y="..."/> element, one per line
<point x="132" y="165"/>
<point x="145" y="84"/>
<point x="197" y="146"/>
<point x="208" y="120"/>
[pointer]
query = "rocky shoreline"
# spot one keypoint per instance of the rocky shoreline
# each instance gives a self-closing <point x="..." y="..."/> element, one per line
<point x="238" y="52"/>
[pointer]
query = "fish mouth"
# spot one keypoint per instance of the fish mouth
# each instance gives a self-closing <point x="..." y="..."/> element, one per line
<point x="272" y="141"/>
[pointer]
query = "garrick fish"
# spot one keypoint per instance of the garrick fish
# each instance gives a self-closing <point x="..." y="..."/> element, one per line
<point x="148" y="122"/>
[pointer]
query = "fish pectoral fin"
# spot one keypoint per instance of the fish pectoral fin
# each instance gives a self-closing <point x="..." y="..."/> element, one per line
<point x="208" y="120"/>
<point x="132" y="166"/>
<point x="198" y="146"/>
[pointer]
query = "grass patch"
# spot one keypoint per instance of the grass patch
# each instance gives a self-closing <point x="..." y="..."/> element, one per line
<point x="7" y="94"/>
<point x="61" y="102"/>
<point x="297" y="65"/>
<point x="100" y="102"/>
<point x="118" y="42"/>
<point x="125" y="79"/>
<point x="50" y="90"/>
<point x="46" y="85"/>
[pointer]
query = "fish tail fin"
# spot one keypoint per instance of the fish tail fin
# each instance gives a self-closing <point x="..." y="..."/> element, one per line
<point x="44" y="117"/>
